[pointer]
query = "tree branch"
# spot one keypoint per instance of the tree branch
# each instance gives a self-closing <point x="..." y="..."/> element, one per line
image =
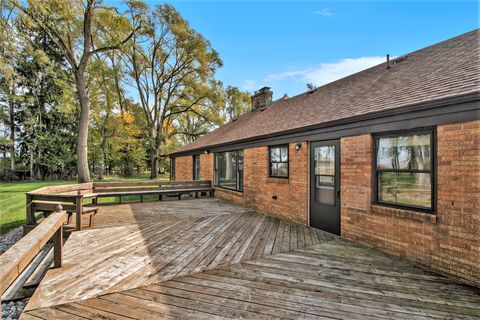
<point x="117" y="46"/>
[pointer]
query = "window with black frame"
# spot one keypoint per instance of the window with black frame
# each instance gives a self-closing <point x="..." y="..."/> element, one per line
<point x="229" y="170"/>
<point x="196" y="167"/>
<point x="278" y="161"/>
<point x="404" y="169"/>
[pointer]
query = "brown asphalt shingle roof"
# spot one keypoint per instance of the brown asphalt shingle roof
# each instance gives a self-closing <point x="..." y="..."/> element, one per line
<point x="449" y="68"/>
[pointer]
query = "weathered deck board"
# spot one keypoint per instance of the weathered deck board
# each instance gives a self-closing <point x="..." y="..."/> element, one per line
<point x="300" y="284"/>
<point x="212" y="265"/>
<point x="114" y="258"/>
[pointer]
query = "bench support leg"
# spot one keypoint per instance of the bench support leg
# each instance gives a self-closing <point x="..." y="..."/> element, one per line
<point x="57" y="248"/>
<point x="78" y="214"/>
<point x="160" y="197"/>
<point x="179" y="196"/>
<point x="30" y="212"/>
<point x="92" y="220"/>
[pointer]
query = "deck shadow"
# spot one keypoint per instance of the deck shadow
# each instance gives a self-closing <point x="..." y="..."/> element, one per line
<point x="137" y="245"/>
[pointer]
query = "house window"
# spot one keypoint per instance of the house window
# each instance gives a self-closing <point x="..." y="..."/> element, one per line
<point x="172" y="168"/>
<point x="196" y="167"/>
<point x="229" y="170"/>
<point x="278" y="161"/>
<point x="404" y="169"/>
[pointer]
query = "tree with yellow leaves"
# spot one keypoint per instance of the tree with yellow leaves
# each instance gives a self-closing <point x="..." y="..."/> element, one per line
<point x="80" y="29"/>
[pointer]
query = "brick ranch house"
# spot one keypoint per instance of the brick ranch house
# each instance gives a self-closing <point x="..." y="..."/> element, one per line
<point x="388" y="157"/>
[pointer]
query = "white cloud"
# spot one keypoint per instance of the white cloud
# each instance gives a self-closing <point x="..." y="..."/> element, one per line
<point x="324" y="72"/>
<point x="328" y="72"/>
<point x="324" y="12"/>
<point x="284" y="75"/>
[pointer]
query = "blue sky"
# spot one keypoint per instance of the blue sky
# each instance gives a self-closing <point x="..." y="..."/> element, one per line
<point x="284" y="44"/>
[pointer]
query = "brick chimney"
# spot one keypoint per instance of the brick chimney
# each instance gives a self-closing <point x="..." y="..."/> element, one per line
<point x="261" y="98"/>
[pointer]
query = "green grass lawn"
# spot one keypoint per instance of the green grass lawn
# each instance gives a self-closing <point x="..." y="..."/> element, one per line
<point x="12" y="199"/>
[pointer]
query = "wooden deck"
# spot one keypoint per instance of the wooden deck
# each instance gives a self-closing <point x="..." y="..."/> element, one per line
<point x="208" y="259"/>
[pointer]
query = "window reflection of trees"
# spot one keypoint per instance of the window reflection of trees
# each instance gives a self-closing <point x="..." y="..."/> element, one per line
<point x="229" y="169"/>
<point x="325" y="160"/>
<point x="404" y="169"/>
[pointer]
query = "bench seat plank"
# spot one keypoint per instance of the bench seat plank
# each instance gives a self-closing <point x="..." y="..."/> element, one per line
<point x="144" y="192"/>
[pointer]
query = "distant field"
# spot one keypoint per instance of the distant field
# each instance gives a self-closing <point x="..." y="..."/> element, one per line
<point x="12" y="199"/>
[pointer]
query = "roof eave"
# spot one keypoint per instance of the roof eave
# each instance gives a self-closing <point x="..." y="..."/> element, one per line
<point x="445" y="101"/>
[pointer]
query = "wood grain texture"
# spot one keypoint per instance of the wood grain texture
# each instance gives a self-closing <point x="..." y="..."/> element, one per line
<point x="208" y="259"/>
<point x="19" y="256"/>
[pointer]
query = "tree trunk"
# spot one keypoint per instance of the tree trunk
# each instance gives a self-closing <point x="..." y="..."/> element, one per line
<point x="82" y="140"/>
<point x="38" y="176"/>
<point x="101" y="171"/>
<point x="12" y="134"/>
<point x="153" y="164"/>
<point x="5" y="170"/>
<point x="128" y="167"/>
<point x="31" y="165"/>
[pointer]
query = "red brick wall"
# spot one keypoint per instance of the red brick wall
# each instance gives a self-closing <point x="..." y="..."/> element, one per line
<point x="206" y="167"/>
<point x="448" y="241"/>
<point x="184" y="168"/>
<point x="259" y="188"/>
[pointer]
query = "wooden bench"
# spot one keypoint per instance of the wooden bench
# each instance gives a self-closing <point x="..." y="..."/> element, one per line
<point x="72" y="197"/>
<point x="159" y="188"/>
<point x="44" y="202"/>
<point x="90" y="211"/>
<point x="70" y="207"/>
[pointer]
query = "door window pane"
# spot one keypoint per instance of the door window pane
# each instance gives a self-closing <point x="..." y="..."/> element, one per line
<point x="324" y="166"/>
<point x="325" y="160"/>
<point x="405" y="188"/>
<point x="326" y="180"/>
<point x="325" y="194"/>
